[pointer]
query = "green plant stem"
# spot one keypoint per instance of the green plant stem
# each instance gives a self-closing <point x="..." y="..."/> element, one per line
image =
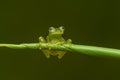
<point x="83" y="49"/>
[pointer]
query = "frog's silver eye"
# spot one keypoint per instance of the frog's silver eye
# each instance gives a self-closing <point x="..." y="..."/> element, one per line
<point x="51" y="29"/>
<point x="62" y="28"/>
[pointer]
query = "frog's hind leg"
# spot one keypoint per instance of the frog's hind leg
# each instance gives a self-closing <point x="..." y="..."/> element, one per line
<point x="61" y="54"/>
<point x="46" y="53"/>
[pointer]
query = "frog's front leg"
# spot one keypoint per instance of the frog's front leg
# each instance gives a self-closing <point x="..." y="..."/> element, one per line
<point x="41" y="40"/>
<point x="62" y="53"/>
<point x="45" y="51"/>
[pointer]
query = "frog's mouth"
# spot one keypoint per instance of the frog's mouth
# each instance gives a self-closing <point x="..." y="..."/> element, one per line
<point x="57" y="33"/>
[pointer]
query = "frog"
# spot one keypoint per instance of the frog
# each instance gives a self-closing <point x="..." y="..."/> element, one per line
<point x="55" y="36"/>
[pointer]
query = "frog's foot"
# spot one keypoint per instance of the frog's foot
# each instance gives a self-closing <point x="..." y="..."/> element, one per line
<point x="46" y="53"/>
<point x="61" y="54"/>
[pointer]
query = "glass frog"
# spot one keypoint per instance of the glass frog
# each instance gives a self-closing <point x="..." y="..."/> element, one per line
<point x="54" y="37"/>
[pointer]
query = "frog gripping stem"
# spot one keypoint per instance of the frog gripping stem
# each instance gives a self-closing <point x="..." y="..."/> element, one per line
<point x="50" y="46"/>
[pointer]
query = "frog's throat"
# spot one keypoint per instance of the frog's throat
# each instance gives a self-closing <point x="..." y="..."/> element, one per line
<point x="55" y="35"/>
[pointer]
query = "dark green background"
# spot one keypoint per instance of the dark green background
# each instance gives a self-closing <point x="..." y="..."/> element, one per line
<point x="89" y="22"/>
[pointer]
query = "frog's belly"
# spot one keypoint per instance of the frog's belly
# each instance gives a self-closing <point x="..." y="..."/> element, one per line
<point x="57" y="41"/>
<point x="54" y="41"/>
<point x="54" y="53"/>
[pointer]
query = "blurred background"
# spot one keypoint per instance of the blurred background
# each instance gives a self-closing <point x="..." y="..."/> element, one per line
<point x="86" y="22"/>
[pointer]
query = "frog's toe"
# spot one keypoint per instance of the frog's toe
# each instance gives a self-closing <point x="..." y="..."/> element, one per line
<point x="49" y="48"/>
<point x="48" y="56"/>
<point x="69" y="41"/>
<point x="41" y="39"/>
<point x="60" y="55"/>
<point x="40" y="48"/>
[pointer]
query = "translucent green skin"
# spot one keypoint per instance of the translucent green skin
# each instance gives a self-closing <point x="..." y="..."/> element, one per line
<point x="54" y="37"/>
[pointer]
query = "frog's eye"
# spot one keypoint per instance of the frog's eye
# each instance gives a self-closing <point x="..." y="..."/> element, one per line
<point x="62" y="28"/>
<point x="51" y="29"/>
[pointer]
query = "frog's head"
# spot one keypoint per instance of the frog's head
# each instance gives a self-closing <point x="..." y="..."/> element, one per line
<point x="56" y="31"/>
